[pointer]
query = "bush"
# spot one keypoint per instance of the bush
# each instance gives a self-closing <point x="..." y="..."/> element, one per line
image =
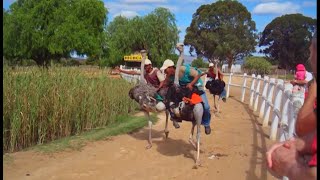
<point x="199" y="63"/>
<point x="257" y="65"/>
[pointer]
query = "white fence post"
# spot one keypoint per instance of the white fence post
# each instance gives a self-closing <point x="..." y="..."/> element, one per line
<point x="284" y="128"/>
<point x="228" y="87"/>
<point x="257" y="94"/>
<point x="252" y="89"/>
<point x="276" y="109"/>
<point x="264" y="95"/>
<point x="297" y="100"/>
<point x="268" y="102"/>
<point x="244" y="86"/>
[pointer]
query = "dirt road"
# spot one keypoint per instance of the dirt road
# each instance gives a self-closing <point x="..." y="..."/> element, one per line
<point x="238" y="142"/>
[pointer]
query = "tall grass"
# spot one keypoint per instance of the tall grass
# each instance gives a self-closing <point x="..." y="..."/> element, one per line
<point x="43" y="105"/>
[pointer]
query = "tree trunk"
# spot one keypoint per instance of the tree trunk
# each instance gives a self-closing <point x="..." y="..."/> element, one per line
<point x="230" y="62"/>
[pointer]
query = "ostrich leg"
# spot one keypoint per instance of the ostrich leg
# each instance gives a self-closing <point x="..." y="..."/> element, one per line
<point x="198" y="163"/>
<point x="214" y="103"/>
<point x="216" y="106"/>
<point x="191" y="135"/>
<point x="198" y="113"/>
<point x="166" y="131"/>
<point x="150" y="128"/>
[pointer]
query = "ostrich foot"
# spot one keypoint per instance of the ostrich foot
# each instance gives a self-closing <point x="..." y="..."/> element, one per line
<point x="148" y="146"/>
<point x="166" y="133"/>
<point x="198" y="163"/>
<point x="193" y="143"/>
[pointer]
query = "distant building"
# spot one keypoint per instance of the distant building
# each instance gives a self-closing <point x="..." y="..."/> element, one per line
<point x="235" y="68"/>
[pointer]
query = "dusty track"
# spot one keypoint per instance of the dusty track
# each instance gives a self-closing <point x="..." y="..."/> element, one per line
<point x="238" y="140"/>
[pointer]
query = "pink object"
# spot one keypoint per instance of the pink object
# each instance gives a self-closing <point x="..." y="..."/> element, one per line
<point x="300" y="72"/>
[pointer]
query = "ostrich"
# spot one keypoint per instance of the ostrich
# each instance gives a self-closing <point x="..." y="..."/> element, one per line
<point x="216" y="105"/>
<point x="144" y="94"/>
<point x="216" y="87"/>
<point x="184" y="110"/>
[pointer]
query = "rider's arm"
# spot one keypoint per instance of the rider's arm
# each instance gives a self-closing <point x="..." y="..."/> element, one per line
<point x="129" y="72"/>
<point x="161" y="78"/>
<point x="299" y="82"/>
<point x="307" y="118"/>
<point x="196" y="75"/>
<point x="220" y="74"/>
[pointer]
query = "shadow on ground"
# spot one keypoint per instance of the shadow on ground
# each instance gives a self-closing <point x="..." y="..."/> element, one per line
<point x="169" y="146"/>
<point x="261" y="148"/>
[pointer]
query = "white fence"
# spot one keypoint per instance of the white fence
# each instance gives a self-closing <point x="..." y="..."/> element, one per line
<point x="271" y="98"/>
<point x="276" y="99"/>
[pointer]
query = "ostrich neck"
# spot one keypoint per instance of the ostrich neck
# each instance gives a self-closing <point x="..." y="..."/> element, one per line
<point x="176" y="74"/>
<point x="216" y="70"/>
<point x="142" y="80"/>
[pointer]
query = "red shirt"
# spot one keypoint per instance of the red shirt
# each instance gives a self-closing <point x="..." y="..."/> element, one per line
<point x="213" y="75"/>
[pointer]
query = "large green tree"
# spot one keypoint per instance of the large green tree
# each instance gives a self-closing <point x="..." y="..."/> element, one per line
<point x="161" y="33"/>
<point x="287" y="39"/>
<point x="123" y="38"/>
<point x="223" y="30"/>
<point x="156" y="32"/>
<point x="50" y="29"/>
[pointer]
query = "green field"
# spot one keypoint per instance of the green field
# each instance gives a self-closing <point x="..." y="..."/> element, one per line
<point x="42" y="105"/>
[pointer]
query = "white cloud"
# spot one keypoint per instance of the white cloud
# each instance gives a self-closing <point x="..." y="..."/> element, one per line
<point x="143" y="1"/>
<point x="171" y="8"/>
<point x="128" y="14"/>
<point x="309" y="4"/>
<point x="276" y="8"/>
<point x="114" y="7"/>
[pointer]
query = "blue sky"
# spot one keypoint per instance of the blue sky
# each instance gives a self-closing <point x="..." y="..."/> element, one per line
<point x="262" y="11"/>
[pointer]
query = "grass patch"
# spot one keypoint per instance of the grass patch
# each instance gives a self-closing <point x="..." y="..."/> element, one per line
<point x="122" y="125"/>
<point x="286" y="77"/>
<point x="7" y="158"/>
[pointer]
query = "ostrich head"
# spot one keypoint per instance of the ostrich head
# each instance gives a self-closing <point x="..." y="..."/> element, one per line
<point x="143" y="54"/>
<point x="180" y="48"/>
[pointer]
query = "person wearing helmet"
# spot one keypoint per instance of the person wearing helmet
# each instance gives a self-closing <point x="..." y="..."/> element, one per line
<point x="190" y="77"/>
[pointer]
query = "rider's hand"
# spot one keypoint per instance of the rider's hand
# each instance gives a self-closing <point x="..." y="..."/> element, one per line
<point x="286" y="144"/>
<point x="189" y="86"/>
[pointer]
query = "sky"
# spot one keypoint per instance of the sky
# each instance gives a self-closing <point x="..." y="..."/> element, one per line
<point x="262" y="11"/>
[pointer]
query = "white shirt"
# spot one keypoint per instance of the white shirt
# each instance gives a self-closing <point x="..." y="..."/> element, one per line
<point x="309" y="76"/>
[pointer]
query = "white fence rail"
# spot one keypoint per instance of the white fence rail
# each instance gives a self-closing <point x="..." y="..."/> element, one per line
<point x="278" y="107"/>
<point x="276" y="99"/>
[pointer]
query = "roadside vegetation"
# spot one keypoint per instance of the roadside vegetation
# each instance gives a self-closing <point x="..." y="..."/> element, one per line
<point x="42" y="105"/>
